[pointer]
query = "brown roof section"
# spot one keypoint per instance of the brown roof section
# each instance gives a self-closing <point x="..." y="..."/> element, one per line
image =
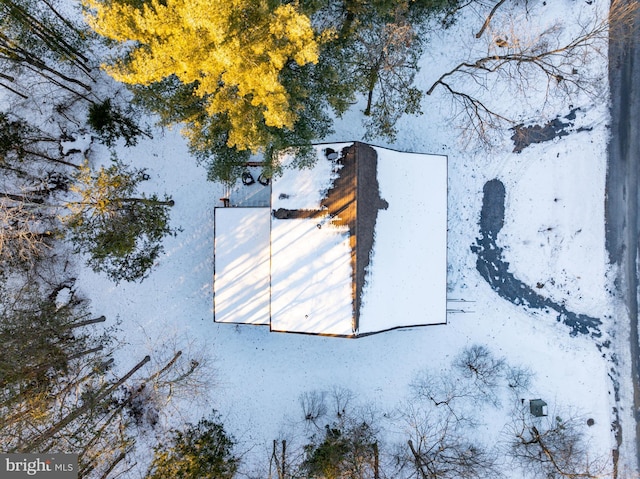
<point x="354" y="201"/>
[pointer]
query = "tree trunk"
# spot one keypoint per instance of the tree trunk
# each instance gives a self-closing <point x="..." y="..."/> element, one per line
<point x="17" y="54"/>
<point x="46" y="157"/>
<point x="86" y="322"/>
<point x="489" y="17"/>
<point x="283" y="461"/>
<point x="112" y="466"/>
<point x="65" y="21"/>
<point x="373" y="80"/>
<point x="13" y="90"/>
<point x="73" y="415"/>
<point x="167" y="366"/>
<point x="54" y="40"/>
<point x="147" y="201"/>
<point x="418" y="460"/>
<point x="22" y="198"/>
<point x="376" y="461"/>
<point x="84" y="353"/>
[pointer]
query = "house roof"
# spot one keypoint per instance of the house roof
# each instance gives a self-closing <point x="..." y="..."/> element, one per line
<point x="241" y="265"/>
<point x="406" y="282"/>
<point x="356" y="245"/>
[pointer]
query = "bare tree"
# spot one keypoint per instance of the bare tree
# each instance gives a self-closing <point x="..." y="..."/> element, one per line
<point x="445" y="391"/>
<point x="476" y="375"/>
<point x="281" y="462"/>
<point x="25" y="234"/>
<point x="553" y="446"/>
<point x="443" y="415"/>
<point x="479" y="365"/>
<point x="184" y="376"/>
<point x="518" y="378"/>
<point x="522" y="59"/>
<point x="313" y="404"/>
<point x="440" y="446"/>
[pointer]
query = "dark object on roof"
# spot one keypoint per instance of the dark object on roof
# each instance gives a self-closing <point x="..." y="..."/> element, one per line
<point x="264" y="180"/>
<point x="538" y="407"/>
<point x="247" y="178"/>
<point x="331" y="154"/>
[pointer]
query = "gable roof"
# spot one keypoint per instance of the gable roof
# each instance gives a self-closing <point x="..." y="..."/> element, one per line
<point x="357" y="245"/>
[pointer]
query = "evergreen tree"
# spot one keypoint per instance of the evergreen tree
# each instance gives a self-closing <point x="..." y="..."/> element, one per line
<point x="247" y="77"/>
<point x="201" y="451"/>
<point x="121" y="231"/>
<point x="345" y="451"/>
<point x="50" y="360"/>
<point x="375" y="52"/>
<point x="110" y="123"/>
<point x="231" y="52"/>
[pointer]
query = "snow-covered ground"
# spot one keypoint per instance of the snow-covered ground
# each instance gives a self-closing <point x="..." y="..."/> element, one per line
<point x="553" y="235"/>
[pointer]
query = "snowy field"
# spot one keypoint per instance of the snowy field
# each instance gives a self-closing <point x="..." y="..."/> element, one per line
<point x="553" y="238"/>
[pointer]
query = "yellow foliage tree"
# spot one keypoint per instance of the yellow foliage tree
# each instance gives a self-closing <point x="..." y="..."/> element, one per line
<point x="233" y="50"/>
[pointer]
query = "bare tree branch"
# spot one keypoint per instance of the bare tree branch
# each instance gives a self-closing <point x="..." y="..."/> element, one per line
<point x="545" y="61"/>
<point x="553" y="446"/>
<point x="489" y="17"/>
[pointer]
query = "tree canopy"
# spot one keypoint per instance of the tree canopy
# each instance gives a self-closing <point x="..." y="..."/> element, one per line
<point x="199" y="451"/>
<point x="231" y="51"/>
<point x="250" y="77"/>
<point x="121" y="232"/>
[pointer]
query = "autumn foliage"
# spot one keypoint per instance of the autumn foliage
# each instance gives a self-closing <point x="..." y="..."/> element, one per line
<point x="233" y="50"/>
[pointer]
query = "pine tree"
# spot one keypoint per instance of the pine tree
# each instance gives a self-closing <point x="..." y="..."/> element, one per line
<point x="232" y="52"/>
<point x="122" y="232"/>
<point x="203" y="450"/>
<point x="111" y="123"/>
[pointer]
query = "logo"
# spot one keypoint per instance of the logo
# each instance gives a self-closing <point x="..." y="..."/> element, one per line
<point x="45" y="466"/>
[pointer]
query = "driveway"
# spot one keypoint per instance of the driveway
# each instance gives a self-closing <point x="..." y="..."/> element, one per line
<point x="495" y="270"/>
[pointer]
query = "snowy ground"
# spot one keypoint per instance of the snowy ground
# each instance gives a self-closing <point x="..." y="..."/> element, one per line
<point x="553" y="235"/>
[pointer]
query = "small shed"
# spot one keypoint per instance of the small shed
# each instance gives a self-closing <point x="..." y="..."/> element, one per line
<point x="538" y="407"/>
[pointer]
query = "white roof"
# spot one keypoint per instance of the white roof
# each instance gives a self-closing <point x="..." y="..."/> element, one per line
<point x="406" y="283"/>
<point x="311" y="286"/>
<point x="302" y="189"/>
<point x="241" y="277"/>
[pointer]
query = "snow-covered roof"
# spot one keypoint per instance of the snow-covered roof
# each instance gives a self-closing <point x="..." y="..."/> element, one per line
<point x="241" y="265"/>
<point x="406" y="281"/>
<point x="352" y="246"/>
<point x="311" y="285"/>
